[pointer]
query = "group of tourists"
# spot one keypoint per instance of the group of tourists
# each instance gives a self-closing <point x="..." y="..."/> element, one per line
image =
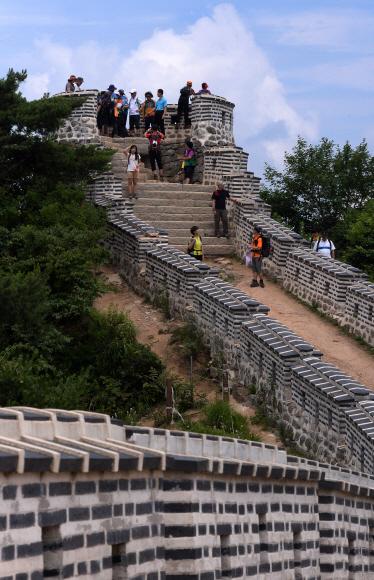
<point x="119" y="115"/>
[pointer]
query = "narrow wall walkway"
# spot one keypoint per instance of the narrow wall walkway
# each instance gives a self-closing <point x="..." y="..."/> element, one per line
<point x="338" y="348"/>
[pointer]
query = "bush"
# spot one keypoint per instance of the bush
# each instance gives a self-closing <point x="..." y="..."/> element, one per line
<point x="190" y="338"/>
<point x="220" y="419"/>
<point x="183" y="395"/>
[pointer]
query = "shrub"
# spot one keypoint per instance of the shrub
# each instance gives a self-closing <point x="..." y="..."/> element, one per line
<point x="220" y="419"/>
<point x="190" y="338"/>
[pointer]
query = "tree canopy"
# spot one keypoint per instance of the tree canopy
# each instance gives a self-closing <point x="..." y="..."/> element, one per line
<point x="326" y="187"/>
<point x="55" y="350"/>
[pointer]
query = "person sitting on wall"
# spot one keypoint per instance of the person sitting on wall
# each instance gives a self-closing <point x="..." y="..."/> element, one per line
<point x="148" y="109"/>
<point x="256" y="251"/>
<point x="195" y="244"/>
<point x="183" y="104"/>
<point x="70" y="86"/>
<point x="204" y="89"/>
<point x="189" y="162"/>
<point x="220" y="212"/>
<point x="160" y="111"/>
<point x="155" y="137"/>
<point x="324" y="246"/>
<point x="134" y="113"/>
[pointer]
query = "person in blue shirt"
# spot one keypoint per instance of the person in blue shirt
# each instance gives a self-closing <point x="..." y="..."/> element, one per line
<point x="161" y="105"/>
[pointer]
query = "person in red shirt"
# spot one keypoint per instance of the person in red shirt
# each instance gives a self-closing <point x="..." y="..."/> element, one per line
<point x="256" y="251"/>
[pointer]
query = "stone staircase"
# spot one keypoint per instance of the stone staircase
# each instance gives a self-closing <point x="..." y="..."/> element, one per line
<point x="173" y="207"/>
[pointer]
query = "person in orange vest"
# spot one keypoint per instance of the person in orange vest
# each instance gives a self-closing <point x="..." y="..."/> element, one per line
<point x="256" y="251"/>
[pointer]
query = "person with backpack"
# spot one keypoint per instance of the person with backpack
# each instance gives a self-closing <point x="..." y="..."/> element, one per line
<point x="324" y="246"/>
<point x="148" y="109"/>
<point x="257" y="255"/>
<point x="155" y="137"/>
<point x="183" y="104"/>
<point x="219" y="197"/>
<point x="105" y="109"/>
<point x="195" y="244"/>
<point x="133" y="165"/>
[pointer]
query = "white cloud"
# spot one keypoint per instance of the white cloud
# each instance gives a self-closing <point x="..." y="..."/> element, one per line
<point x="218" y="49"/>
<point x="330" y="29"/>
<point x="221" y="51"/>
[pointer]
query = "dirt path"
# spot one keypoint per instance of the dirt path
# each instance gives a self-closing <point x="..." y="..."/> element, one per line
<point x="338" y="348"/>
<point x="155" y="332"/>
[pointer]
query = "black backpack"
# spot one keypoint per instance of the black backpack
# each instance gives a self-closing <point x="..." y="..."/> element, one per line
<point x="266" y="246"/>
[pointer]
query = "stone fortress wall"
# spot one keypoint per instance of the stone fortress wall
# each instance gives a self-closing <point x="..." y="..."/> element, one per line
<point x="316" y="403"/>
<point x="84" y="496"/>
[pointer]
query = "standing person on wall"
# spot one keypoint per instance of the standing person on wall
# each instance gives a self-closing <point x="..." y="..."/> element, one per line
<point x="183" y="104"/>
<point x="220" y="212"/>
<point x="148" y="109"/>
<point x="70" y="86"/>
<point x="122" y="113"/>
<point x="189" y="162"/>
<point x="195" y="244"/>
<point x="155" y="137"/>
<point x="256" y="250"/>
<point x="161" y="105"/>
<point x="133" y="166"/>
<point x="324" y="246"/>
<point x="134" y="113"/>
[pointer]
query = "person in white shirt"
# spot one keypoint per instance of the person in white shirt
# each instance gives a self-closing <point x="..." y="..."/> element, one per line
<point x="134" y="113"/>
<point x="133" y="163"/>
<point x="324" y="246"/>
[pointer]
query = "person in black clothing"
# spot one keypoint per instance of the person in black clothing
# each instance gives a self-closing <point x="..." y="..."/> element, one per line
<point x="183" y="104"/>
<point x="220" y="212"/>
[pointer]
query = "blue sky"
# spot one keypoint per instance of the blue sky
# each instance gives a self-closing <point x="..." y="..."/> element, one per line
<point x="291" y="66"/>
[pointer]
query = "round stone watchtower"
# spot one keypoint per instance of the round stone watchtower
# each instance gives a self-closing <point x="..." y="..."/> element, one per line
<point x="212" y="120"/>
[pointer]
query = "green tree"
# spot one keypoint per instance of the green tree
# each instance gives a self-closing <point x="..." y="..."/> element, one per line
<point x="55" y="350"/>
<point x="320" y="184"/>
<point x="359" y="239"/>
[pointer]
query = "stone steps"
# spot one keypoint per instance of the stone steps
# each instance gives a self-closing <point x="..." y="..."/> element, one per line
<point x="183" y="214"/>
<point x="158" y="203"/>
<point x="177" y="187"/>
<point x="146" y="195"/>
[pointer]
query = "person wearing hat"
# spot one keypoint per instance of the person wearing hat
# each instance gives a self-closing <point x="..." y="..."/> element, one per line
<point x="148" y="110"/>
<point x="70" y="86"/>
<point x="183" y="104"/>
<point x="134" y="114"/>
<point x="256" y="251"/>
